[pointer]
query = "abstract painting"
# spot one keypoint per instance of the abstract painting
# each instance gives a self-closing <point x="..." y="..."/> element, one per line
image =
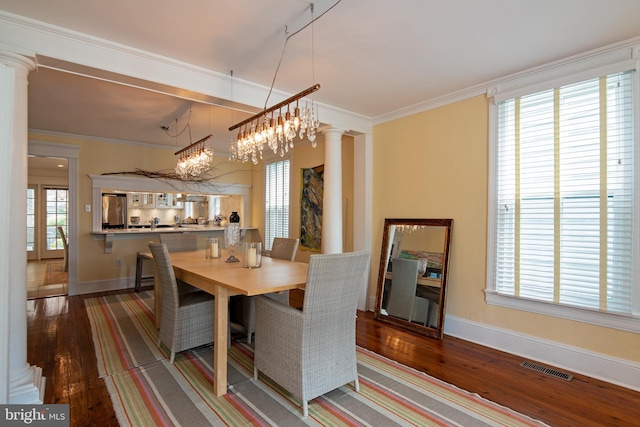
<point x="311" y="208"/>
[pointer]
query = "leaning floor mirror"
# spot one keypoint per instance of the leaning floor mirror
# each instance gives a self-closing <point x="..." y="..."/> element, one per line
<point x="412" y="279"/>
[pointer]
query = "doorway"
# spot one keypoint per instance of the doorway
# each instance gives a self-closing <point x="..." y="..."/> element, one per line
<point x="47" y="221"/>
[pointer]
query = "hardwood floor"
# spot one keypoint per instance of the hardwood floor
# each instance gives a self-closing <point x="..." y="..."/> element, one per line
<point x="59" y="341"/>
<point x="498" y="376"/>
<point x="43" y="283"/>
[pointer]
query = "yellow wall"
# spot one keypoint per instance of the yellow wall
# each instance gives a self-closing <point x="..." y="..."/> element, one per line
<point x="430" y="239"/>
<point x="435" y="165"/>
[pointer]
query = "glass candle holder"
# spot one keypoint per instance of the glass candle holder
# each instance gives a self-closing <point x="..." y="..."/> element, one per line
<point x="212" y="250"/>
<point x="252" y="254"/>
<point x="232" y="240"/>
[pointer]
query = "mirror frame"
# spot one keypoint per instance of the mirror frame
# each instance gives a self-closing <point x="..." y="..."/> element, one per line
<point x="437" y="332"/>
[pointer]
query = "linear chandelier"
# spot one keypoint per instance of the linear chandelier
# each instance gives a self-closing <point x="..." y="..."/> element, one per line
<point x="194" y="159"/>
<point x="276" y="127"/>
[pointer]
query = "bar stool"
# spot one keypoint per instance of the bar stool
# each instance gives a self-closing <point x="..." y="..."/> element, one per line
<point x="140" y="257"/>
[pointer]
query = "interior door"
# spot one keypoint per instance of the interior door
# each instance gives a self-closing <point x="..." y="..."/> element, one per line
<point x="55" y="204"/>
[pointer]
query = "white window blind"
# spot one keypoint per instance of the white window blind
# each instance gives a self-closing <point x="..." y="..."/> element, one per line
<point x="276" y="201"/>
<point x="564" y="195"/>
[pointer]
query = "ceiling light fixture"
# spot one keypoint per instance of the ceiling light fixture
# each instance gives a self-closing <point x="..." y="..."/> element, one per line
<point x="194" y="159"/>
<point x="276" y="131"/>
<point x="278" y="125"/>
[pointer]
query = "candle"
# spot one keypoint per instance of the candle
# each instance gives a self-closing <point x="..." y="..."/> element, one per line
<point x="211" y="249"/>
<point x="251" y="257"/>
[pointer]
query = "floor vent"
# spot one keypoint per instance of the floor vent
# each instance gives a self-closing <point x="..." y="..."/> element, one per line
<point x="547" y="371"/>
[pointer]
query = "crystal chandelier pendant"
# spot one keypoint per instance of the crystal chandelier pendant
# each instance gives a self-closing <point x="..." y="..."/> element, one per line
<point x="277" y="131"/>
<point x="194" y="160"/>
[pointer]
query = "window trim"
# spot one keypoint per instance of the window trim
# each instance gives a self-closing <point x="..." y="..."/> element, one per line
<point x="564" y="72"/>
<point x="584" y="315"/>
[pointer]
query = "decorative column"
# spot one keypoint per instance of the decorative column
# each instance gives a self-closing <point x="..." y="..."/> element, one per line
<point x="25" y="383"/>
<point x="332" y="194"/>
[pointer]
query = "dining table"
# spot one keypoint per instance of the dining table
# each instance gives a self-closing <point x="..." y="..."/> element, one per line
<point x="224" y="280"/>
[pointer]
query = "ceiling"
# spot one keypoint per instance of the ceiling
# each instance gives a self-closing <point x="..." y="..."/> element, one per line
<point x="371" y="57"/>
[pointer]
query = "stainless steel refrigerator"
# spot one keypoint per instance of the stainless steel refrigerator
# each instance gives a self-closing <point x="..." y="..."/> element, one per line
<point x="114" y="210"/>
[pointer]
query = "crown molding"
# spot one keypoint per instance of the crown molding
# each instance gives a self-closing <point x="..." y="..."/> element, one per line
<point x="430" y="104"/>
<point x="626" y="49"/>
<point x="60" y="48"/>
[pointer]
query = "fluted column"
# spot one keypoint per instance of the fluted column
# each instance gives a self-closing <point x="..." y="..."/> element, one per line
<point x="332" y="194"/>
<point x="25" y="382"/>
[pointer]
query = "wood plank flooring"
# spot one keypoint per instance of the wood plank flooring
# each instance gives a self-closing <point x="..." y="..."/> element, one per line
<point x="59" y="341"/>
<point x="40" y="285"/>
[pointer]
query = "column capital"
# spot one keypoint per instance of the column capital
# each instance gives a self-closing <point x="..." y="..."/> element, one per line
<point x="16" y="60"/>
<point x="332" y="131"/>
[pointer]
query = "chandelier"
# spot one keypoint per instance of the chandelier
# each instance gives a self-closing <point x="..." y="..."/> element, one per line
<point x="194" y="159"/>
<point x="276" y="127"/>
<point x="407" y="228"/>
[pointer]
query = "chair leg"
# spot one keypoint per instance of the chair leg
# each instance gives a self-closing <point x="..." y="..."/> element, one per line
<point x="138" y="272"/>
<point x="255" y="373"/>
<point x="252" y="319"/>
<point x="173" y="357"/>
<point x="356" y="383"/>
<point x="305" y="408"/>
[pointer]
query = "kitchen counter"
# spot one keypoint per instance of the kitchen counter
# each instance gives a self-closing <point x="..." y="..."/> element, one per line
<point x="110" y="235"/>
<point x="164" y="229"/>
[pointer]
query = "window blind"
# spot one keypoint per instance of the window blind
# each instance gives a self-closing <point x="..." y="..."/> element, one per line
<point x="276" y="201"/>
<point x="564" y="192"/>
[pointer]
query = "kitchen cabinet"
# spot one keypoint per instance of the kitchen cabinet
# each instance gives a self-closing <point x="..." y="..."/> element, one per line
<point x="168" y="201"/>
<point x="141" y="200"/>
<point x="177" y="204"/>
<point x="163" y="200"/>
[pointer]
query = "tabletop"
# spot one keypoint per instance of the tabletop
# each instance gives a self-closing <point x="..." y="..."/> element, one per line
<point x="275" y="275"/>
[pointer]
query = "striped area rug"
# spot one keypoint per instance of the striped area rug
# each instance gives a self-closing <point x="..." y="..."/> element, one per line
<point x="146" y="390"/>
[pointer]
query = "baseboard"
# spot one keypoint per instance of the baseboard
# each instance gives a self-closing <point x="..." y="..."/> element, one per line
<point x="622" y="372"/>
<point x="102" y="286"/>
<point x="614" y="370"/>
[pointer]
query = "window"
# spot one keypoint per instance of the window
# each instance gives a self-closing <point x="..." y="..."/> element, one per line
<point x="563" y="224"/>
<point x="276" y="219"/>
<point x="56" y="215"/>
<point x="31" y="219"/>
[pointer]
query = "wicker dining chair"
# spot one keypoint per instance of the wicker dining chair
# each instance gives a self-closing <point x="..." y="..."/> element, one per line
<point x="403" y="301"/>
<point x="180" y="242"/>
<point x="187" y="319"/>
<point x="281" y="248"/>
<point x="312" y="351"/>
<point x="65" y="246"/>
<point x="177" y="242"/>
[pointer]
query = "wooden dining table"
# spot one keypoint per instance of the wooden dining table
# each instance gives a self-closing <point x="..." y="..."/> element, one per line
<point x="224" y="280"/>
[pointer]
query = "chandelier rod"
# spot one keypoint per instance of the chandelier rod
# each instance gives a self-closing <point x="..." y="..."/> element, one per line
<point x="277" y="106"/>
<point x="190" y="146"/>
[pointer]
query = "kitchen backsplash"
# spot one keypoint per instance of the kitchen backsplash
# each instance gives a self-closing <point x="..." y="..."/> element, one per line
<point x="165" y="215"/>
